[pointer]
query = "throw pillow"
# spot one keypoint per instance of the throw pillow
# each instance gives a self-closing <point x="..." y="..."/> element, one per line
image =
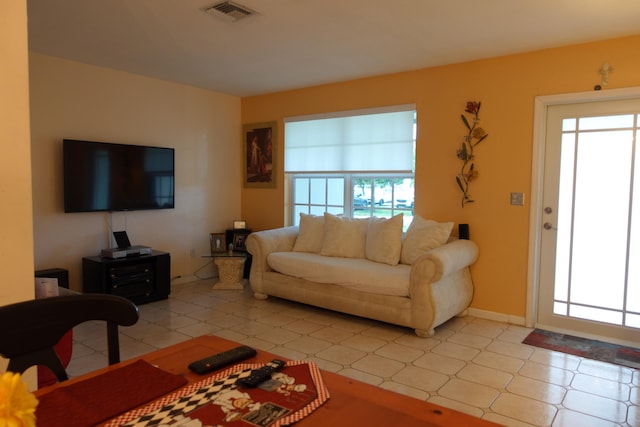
<point x="422" y="236"/>
<point x="310" y="234"/>
<point x="384" y="240"/>
<point x="344" y="237"/>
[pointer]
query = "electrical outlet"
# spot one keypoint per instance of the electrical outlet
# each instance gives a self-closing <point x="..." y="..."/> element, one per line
<point x="517" y="199"/>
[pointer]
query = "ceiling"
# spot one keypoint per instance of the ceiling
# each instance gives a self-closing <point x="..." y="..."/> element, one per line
<point x="290" y="44"/>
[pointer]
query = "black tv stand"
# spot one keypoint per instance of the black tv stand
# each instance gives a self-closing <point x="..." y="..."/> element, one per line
<point x="142" y="278"/>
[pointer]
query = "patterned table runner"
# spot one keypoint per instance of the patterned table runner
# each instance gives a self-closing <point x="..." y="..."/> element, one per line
<point x="291" y="394"/>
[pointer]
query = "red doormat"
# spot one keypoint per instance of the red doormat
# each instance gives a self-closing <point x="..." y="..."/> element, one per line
<point x="591" y="349"/>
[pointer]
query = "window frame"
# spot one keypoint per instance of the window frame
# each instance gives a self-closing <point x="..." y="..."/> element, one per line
<point x="347" y="207"/>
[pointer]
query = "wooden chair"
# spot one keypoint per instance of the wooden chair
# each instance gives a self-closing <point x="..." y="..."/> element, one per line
<point x="30" y="329"/>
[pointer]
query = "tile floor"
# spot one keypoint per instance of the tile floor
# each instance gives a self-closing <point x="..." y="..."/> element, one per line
<point x="472" y="365"/>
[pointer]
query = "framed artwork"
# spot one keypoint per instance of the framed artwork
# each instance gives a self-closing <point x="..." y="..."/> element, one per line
<point x="218" y="242"/>
<point x="239" y="238"/>
<point x="260" y="155"/>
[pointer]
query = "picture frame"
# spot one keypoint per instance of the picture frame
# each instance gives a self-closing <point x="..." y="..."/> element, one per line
<point x="218" y="242"/>
<point x="239" y="225"/>
<point x="239" y="240"/>
<point x="259" y="141"/>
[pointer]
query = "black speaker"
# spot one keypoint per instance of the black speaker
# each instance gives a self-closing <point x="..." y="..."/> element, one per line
<point x="56" y="273"/>
<point x="463" y="231"/>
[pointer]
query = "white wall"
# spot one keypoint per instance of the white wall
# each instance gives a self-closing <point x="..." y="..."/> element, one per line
<point x="78" y="101"/>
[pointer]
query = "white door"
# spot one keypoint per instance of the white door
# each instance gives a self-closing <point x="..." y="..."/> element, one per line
<point x="589" y="278"/>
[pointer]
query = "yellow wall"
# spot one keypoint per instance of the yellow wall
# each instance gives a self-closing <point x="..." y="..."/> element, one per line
<point x="16" y="251"/>
<point x="507" y="87"/>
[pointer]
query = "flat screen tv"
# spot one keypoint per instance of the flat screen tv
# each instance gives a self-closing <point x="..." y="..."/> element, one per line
<point x="100" y="176"/>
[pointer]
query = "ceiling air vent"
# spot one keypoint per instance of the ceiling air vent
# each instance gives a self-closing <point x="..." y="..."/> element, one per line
<point x="229" y="11"/>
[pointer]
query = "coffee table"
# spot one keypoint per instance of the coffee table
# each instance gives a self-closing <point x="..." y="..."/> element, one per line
<point x="351" y="402"/>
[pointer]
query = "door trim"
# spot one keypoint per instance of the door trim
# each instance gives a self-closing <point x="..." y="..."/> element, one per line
<point x="541" y="104"/>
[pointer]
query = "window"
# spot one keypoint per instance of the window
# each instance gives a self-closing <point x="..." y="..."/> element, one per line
<point x="358" y="163"/>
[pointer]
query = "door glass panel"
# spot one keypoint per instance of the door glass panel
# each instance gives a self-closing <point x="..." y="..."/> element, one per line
<point x="606" y="122"/>
<point x="565" y="215"/>
<point x="633" y="279"/>
<point x="601" y="216"/>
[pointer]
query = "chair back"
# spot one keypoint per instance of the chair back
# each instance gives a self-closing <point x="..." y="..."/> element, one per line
<point x="30" y="329"/>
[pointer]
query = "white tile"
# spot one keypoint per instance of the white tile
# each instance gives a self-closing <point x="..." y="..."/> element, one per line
<point x="197" y="329"/>
<point x="378" y="366"/>
<point x="308" y="345"/>
<point x="332" y="334"/>
<point x="606" y="370"/>
<point x="468" y="392"/>
<point x="303" y="326"/>
<point x="519" y="351"/>
<point x="456" y="351"/>
<point x="385" y="332"/>
<point x="498" y="361"/>
<point x="601" y="387"/>
<point x="524" y="409"/>
<point x="439" y="363"/>
<point x="546" y="373"/>
<point x="538" y="390"/>
<point x="600" y="407"/>
<point x="341" y="355"/>
<point x="420" y="378"/>
<point x="278" y="336"/>
<point x="555" y="359"/>
<point x="360" y="342"/>
<point x="475" y="341"/>
<point x="483" y="375"/>
<point x="488" y="330"/>
<point x="399" y="352"/>
<point x="567" y="418"/>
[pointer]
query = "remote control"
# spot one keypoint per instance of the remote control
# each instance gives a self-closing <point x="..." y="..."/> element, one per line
<point x="220" y="360"/>
<point x="260" y="375"/>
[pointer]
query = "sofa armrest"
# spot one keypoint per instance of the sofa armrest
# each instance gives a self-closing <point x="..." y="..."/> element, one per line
<point x="261" y="243"/>
<point x="443" y="260"/>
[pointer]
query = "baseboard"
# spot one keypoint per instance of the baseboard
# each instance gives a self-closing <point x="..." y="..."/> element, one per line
<point x="497" y="317"/>
<point x="191" y="278"/>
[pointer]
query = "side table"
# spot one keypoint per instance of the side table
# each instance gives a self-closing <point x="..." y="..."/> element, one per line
<point x="230" y="269"/>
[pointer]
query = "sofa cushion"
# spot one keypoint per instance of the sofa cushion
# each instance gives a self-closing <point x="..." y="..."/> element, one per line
<point x="360" y="274"/>
<point x="384" y="240"/>
<point x="422" y="236"/>
<point x="310" y="234"/>
<point x="344" y="237"/>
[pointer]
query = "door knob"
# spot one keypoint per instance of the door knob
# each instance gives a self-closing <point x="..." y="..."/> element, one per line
<point x="548" y="226"/>
<point x="548" y="210"/>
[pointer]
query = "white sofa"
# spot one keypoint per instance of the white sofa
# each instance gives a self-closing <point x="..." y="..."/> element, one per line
<point x="367" y="268"/>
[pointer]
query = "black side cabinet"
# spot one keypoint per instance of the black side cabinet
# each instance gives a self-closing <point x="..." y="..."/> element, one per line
<point x="141" y="279"/>
<point x="237" y="236"/>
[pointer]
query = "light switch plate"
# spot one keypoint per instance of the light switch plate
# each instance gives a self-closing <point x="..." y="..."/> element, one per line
<point x="517" y="199"/>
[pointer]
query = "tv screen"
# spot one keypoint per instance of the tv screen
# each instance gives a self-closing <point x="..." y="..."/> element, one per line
<point x="100" y="176"/>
